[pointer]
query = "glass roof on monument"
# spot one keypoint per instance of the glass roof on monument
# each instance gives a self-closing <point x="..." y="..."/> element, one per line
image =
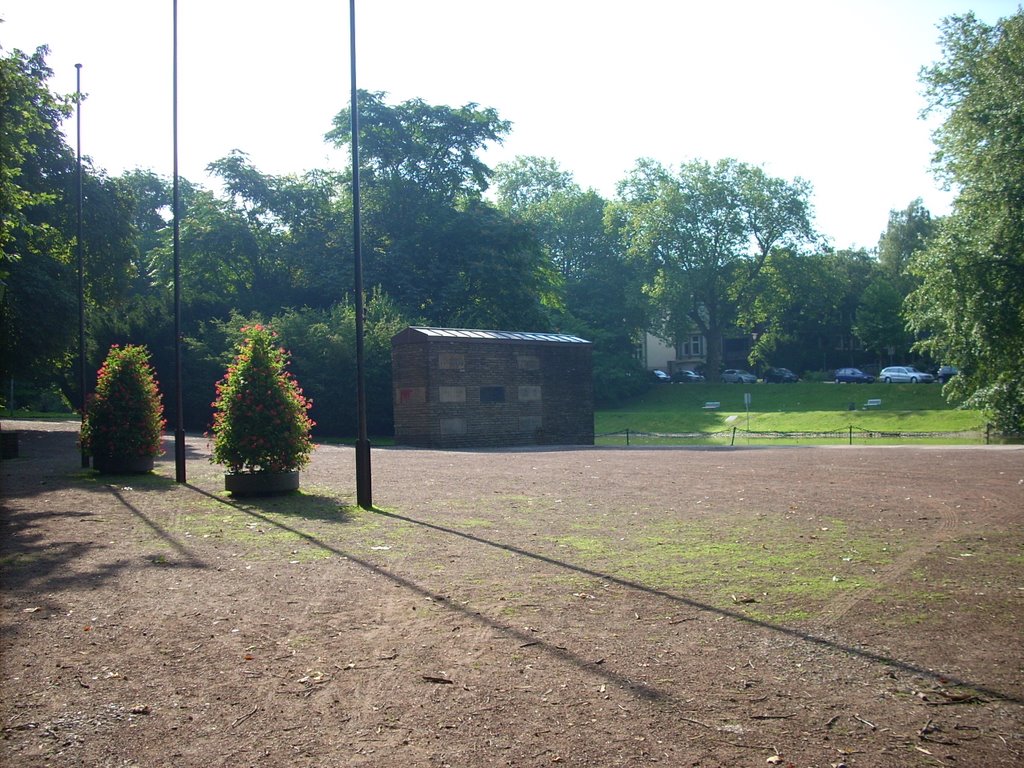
<point x="467" y="333"/>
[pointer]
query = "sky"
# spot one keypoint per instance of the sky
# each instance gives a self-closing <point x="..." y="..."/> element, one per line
<point x="824" y="90"/>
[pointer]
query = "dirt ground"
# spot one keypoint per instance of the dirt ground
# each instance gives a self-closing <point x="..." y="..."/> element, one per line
<point x="797" y="606"/>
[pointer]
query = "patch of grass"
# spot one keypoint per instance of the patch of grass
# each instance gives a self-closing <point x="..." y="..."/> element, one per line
<point x="801" y="407"/>
<point x="470" y="523"/>
<point x="18" y="559"/>
<point x="592" y="547"/>
<point x="729" y="565"/>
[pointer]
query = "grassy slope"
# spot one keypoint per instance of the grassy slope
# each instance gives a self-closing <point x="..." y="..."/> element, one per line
<point x="802" y="407"/>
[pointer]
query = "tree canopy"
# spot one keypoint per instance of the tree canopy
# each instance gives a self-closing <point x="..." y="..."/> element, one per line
<point x="969" y="307"/>
<point x="703" y="234"/>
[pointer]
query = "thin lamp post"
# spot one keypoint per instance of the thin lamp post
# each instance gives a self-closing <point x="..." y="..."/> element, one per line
<point x="179" y="431"/>
<point x="78" y="249"/>
<point x="364" y="482"/>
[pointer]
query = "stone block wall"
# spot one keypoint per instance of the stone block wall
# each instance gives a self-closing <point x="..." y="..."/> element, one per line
<point x="460" y="388"/>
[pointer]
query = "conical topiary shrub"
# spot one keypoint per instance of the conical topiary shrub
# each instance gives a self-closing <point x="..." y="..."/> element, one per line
<point x="261" y="423"/>
<point x="124" y="420"/>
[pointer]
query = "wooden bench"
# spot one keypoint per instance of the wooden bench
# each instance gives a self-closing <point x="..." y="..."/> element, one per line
<point x="711" y="406"/>
<point x="873" y="403"/>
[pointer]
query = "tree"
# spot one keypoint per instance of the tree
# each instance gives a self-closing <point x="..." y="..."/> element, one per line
<point x="879" y="322"/>
<point x="39" y="299"/>
<point x="529" y="181"/>
<point x="804" y="308"/>
<point x="310" y="217"/>
<point x="704" y="235"/>
<point x="601" y="293"/>
<point x="688" y="233"/>
<point x="969" y="307"/>
<point x="777" y="214"/>
<point x="38" y="224"/>
<point x="907" y="233"/>
<point x="431" y="147"/>
<point x="431" y="242"/>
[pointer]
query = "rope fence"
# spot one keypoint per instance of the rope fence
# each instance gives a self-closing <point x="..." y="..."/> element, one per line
<point x="985" y="434"/>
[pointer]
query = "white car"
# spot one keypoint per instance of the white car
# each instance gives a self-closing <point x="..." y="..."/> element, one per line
<point x="736" y="376"/>
<point x="904" y="374"/>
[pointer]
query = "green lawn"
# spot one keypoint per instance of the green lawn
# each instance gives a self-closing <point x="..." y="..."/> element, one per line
<point x="802" y="407"/>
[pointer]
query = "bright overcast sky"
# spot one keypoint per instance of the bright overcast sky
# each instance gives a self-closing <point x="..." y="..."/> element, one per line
<point x="822" y="89"/>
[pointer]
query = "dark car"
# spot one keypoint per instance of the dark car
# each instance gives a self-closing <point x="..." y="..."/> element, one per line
<point x="852" y="376"/>
<point x="686" y="377"/>
<point x="661" y="377"/>
<point x="780" y="376"/>
<point x="946" y="373"/>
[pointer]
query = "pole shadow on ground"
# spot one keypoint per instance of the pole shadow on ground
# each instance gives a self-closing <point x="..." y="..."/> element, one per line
<point x="906" y="666"/>
<point x="528" y="639"/>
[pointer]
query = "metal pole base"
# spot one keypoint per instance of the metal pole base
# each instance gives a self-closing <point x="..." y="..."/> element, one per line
<point x="364" y="489"/>
<point x="179" y="455"/>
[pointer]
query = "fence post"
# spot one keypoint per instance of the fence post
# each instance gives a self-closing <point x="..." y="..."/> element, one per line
<point x="733" y="441"/>
<point x="627" y="438"/>
<point x="988" y="431"/>
<point x="851" y="434"/>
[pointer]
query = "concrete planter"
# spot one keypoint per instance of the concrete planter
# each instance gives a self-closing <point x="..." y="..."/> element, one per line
<point x="261" y="483"/>
<point x="122" y="465"/>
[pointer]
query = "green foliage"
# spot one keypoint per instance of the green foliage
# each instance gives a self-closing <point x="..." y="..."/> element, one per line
<point x="693" y="230"/>
<point x="602" y="300"/>
<point x="38" y="307"/>
<point x="260" y="422"/>
<point x="430" y="241"/>
<point x="969" y="308"/>
<point x="323" y="345"/>
<point x="879" y="323"/>
<point x="528" y="182"/>
<point x="908" y="232"/>
<point x="32" y="147"/>
<point x="804" y="308"/>
<point x="434" y="148"/>
<point x="124" y="416"/>
<point x="38" y="224"/>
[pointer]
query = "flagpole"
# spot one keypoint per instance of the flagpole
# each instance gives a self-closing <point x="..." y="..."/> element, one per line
<point x="364" y="482"/>
<point x="78" y="249"/>
<point x="179" y="431"/>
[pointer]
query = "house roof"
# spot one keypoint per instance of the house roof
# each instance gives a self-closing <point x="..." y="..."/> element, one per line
<point x="470" y="333"/>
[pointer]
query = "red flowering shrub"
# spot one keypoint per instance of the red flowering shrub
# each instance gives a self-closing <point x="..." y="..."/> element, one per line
<point x="124" y="417"/>
<point x="260" y="420"/>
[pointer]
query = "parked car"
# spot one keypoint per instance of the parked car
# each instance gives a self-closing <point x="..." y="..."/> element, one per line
<point x="686" y="377"/>
<point x="902" y="374"/>
<point x="780" y="376"/>
<point x="661" y="377"/>
<point x="945" y="373"/>
<point x="736" y="376"/>
<point x="852" y="376"/>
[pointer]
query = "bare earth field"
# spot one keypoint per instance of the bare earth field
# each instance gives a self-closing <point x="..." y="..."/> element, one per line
<point x="798" y="606"/>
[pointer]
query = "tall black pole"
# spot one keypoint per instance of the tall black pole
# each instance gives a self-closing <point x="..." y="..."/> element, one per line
<point x="364" y="483"/>
<point x="179" y="430"/>
<point x="78" y="249"/>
